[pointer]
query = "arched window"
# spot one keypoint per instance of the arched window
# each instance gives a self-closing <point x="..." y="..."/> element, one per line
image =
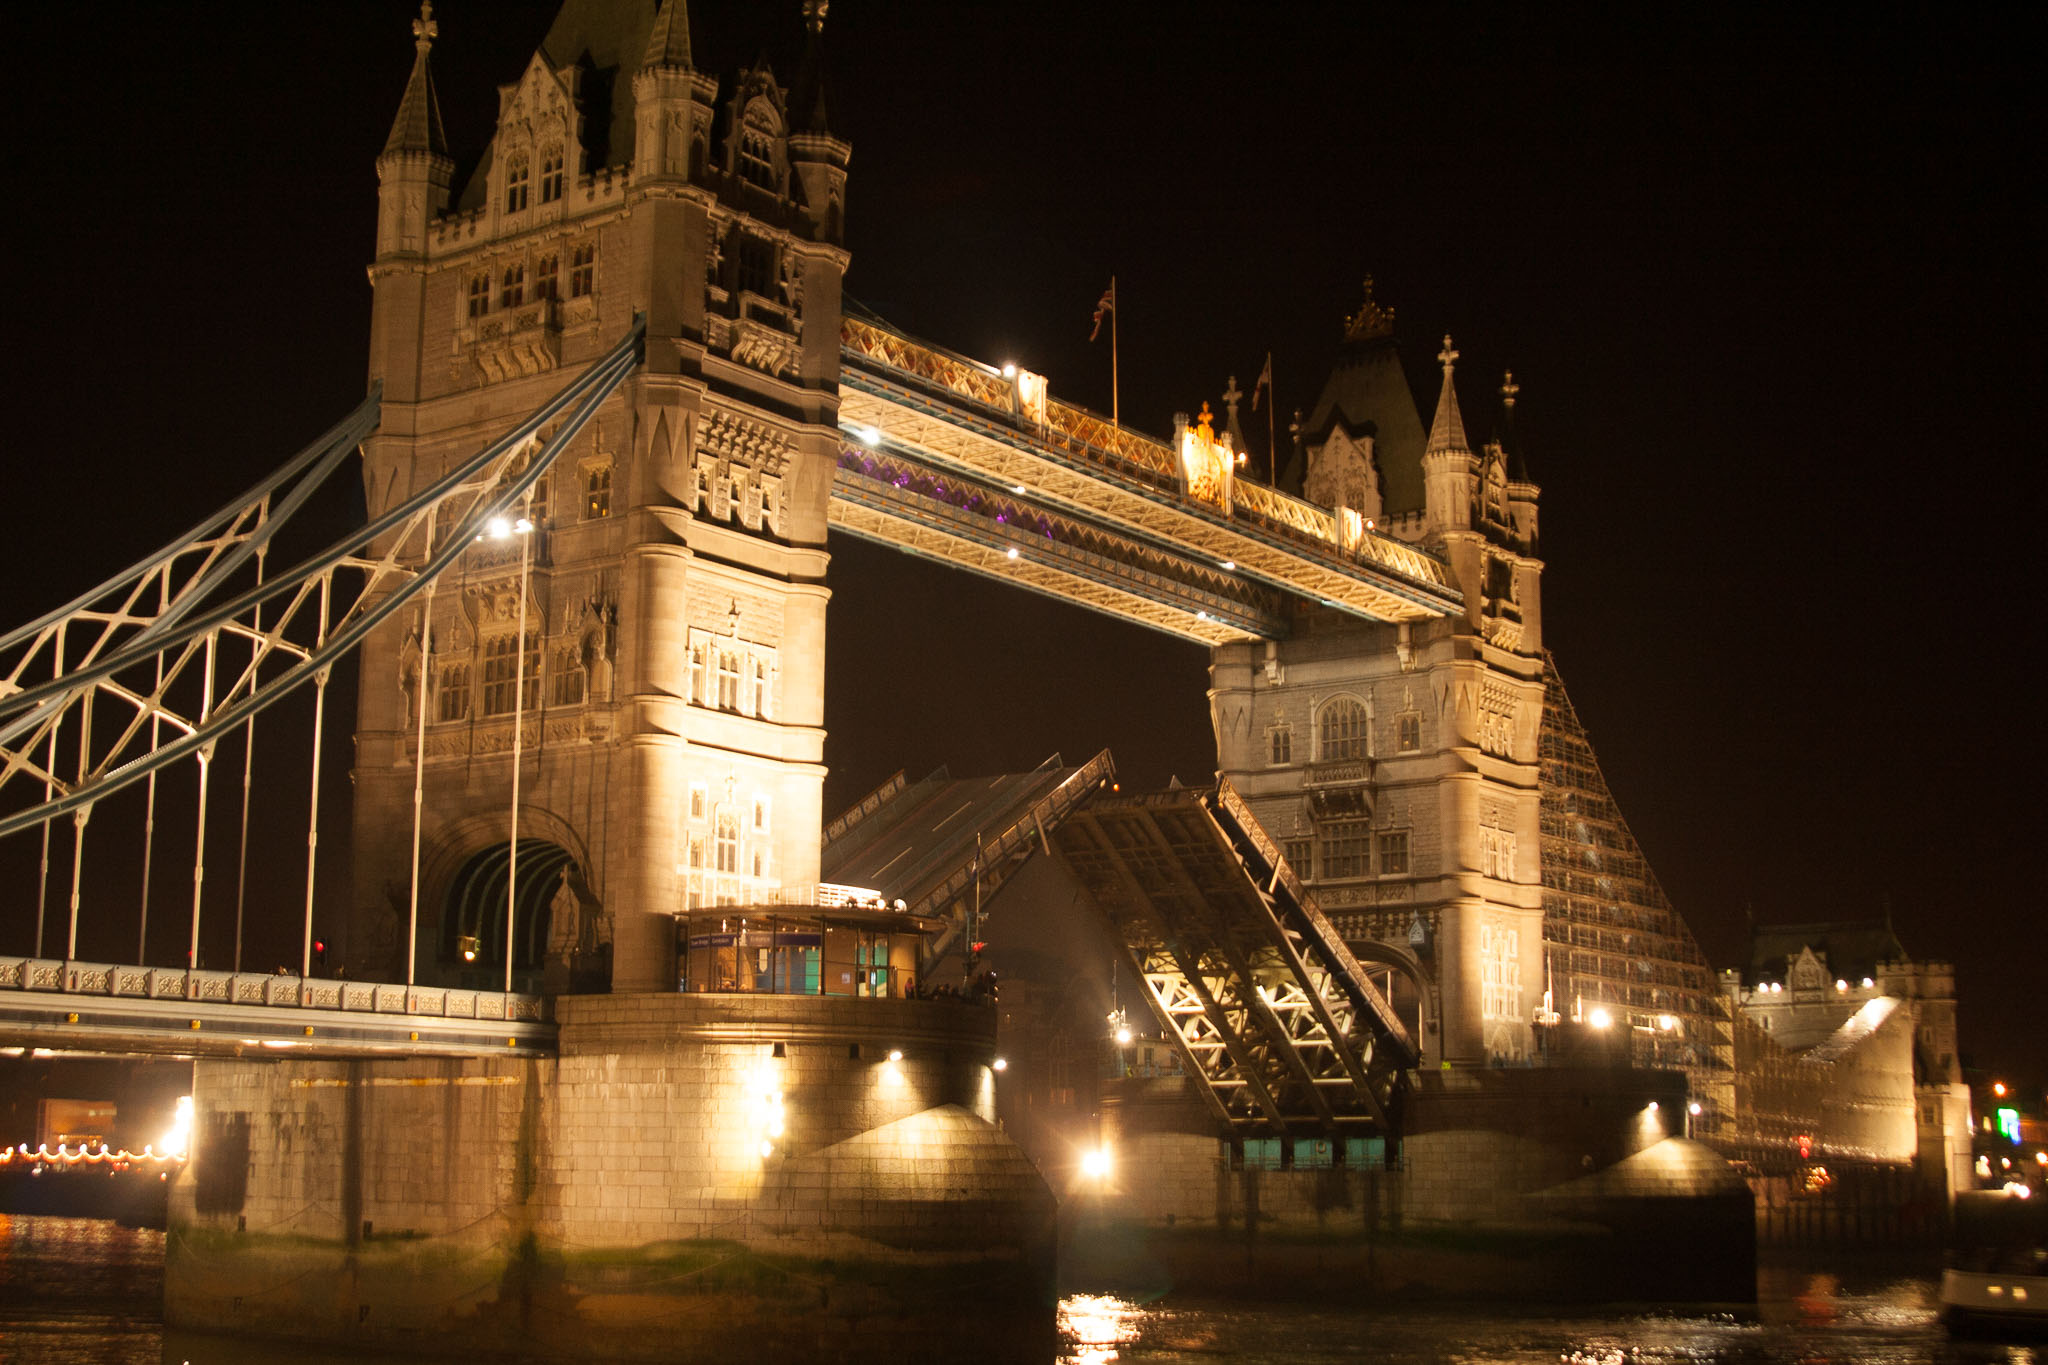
<point x="512" y="286"/>
<point x="582" y="271"/>
<point x="502" y="674"/>
<point x="517" y="178"/>
<point x="1340" y="730"/>
<point x="479" y="295"/>
<point x="597" y="492"/>
<point x="547" y="273"/>
<point x="725" y="840"/>
<point x="551" y="174"/>
<point x="757" y="146"/>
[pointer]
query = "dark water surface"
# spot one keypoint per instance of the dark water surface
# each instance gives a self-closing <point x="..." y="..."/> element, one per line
<point x="81" y="1292"/>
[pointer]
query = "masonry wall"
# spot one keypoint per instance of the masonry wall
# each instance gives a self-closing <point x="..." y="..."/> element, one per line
<point x="668" y="1174"/>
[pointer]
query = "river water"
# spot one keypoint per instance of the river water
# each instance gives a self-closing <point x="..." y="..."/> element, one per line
<point x="82" y="1292"/>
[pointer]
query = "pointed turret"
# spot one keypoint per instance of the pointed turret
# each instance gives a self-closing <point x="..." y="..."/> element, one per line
<point x="1447" y="432"/>
<point x="1450" y="473"/>
<point x="414" y="170"/>
<point x="668" y="42"/>
<point x="1521" y="490"/>
<point x="418" y="125"/>
<point x="818" y="158"/>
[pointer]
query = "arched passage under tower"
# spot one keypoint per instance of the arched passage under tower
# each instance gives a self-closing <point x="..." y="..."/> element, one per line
<point x="482" y="908"/>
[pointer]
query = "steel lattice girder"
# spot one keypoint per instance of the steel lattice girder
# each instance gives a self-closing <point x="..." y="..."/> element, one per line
<point x="1079" y="562"/>
<point x="975" y="445"/>
<point x="1264" y="1003"/>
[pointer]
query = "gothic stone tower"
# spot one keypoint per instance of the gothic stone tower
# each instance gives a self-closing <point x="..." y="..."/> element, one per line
<point x="672" y="702"/>
<point x="1397" y="763"/>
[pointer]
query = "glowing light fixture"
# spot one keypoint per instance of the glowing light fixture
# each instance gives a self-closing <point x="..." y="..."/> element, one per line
<point x="895" y="1054"/>
<point x="1229" y="563"/>
<point x="1001" y="1064"/>
<point x="178" y="1137"/>
<point x="1693" y="1108"/>
<point x="1600" y="1018"/>
<point x="1009" y="369"/>
<point x="1867" y="983"/>
<point x="1998" y="1089"/>
<point x="1011" y="552"/>
<point x="1016" y="488"/>
<point x="1653" y="1106"/>
<point x="1096" y="1164"/>
<point x="467" y="945"/>
<point x="1668" y="1022"/>
<point x="1123" y="1037"/>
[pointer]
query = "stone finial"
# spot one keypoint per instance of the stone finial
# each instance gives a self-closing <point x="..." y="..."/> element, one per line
<point x="424" y="29"/>
<point x="1371" y="320"/>
<point x="1448" y="356"/>
<point x="1231" y="393"/>
<point x="1508" y="389"/>
<point x="814" y="14"/>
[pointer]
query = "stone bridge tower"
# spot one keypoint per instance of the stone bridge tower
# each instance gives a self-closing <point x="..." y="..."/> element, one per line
<point x="671" y="696"/>
<point x="1397" y="764"/>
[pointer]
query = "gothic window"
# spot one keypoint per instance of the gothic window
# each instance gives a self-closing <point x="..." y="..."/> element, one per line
<point x="582" y="271"/>
<point x="760" y="862"/>
<point x="757" y="700"/>
<point x="726" y="840"/>
<point x="757" y="146"/>
<point x="760" y="815"/>
<point x="1347" y="844"/>
<point x="539" y="505"/>
<point x="1342" y="730"/>
<point x="516" y="179"/>
<point x="1296" y="852"/>
<point x="512" y="286"/>
<point x="728" y="680"/>
<point x="697" y="796"/>
<point x="551" y="174"/>
<point x="502" y="669"/>
<point x="479" y="295"/>
<point x="1410" y="727"/>
<point x="1282" y="742"/>
<point x="454" y="702"/>
<point x="597" y="492"/>
<point x="1500" y="971"/>
<point x="696" y="850"/>
<point x="1394" y="854"/>
<point x="547" y="272"/>
<point x="565" y="673"/>
<point x="700" y="692"/>
<point x="757" y="265"/>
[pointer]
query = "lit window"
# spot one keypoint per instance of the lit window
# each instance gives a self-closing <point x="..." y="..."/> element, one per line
<point x="454" y="702"/>
<point x="1282" y="744"/>
<point x="758" y="702"/>
<point x="597" y="492"/>
<point x="516" y="177"/>
<point x="696" y="850"/>
<point x="1411" y="733"/>
<point x="565" y="669"/>
<point x="502" y="668"/>
<point x="700" y="695"/>
<point x="546" y="275"/>
<point x="1346" y="846"/>
<point x="479" y="295"/>
<point x="760" y="815"/>
<point x="728" y="680"/>
<point x="551" y="175"/>
<point x="697" y="801"/>
<point x="726" y="841"/>
<point x="1342" y="730"/>
<point x="512" y="286"/>
<point x="582" y="271"/>
<point x="1394" y="854"/>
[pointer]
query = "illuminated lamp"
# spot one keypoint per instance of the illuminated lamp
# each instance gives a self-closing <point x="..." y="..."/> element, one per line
<point x="1095" y="1164"/>
<point x="1653" y="1106"/>
<point x="1229" y="564"/>
<point x="1841" y="985"/>
<point x="1003" y="1064"/>
<point x="1009" y="369"/>
<point x="895" y="1054"/>
<point x="1867" y="983"/>
<point x="1693" y="1109"/>
<point x="467" y="946"/>
<point x="1123" y="1037"/>
<point x="1600" y="1018"/>
<point x="1011" y="553"/>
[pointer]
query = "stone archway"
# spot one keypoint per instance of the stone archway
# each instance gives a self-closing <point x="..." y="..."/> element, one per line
<point x="471" y="944"/>
<point x="1415" y="997"/>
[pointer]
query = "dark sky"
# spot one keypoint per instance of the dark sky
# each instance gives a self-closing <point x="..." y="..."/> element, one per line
<point x="1769" y="280"/>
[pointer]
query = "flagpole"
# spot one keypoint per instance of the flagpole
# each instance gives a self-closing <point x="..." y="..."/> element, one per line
<point x="1115" y="412"/>
<point x="1272" y="442"/>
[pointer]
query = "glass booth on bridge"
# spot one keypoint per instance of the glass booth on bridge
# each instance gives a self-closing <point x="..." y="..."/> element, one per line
<point x="857" y="948"/>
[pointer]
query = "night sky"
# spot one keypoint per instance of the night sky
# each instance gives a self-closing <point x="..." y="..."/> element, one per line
<point x="1767" y="279"/>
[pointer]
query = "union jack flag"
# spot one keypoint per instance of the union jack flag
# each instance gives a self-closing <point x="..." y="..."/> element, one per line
<point x="1103" y="308"/>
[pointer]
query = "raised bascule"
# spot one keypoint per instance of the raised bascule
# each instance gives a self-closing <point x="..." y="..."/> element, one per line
<point x="636" y="1053"/>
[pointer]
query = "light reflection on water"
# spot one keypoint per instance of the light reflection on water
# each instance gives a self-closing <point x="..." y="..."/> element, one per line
<point x="83" y="1292"/>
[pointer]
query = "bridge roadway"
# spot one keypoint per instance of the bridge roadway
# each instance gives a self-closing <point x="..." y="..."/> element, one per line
<point x="979" y="468"/>
<point x="112" y="1008"/>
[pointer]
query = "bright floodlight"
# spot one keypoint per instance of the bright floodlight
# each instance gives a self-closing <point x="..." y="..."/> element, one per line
<point x="1001" y="1064"/>
<point x="1600" y="1018"/>
<point x="1123" y="1036"/>
<point x="1095" y="1164"/>
<point x="1693" y="1109"/>
<point x="1009" y="370"/>
<point x="1013" y="553"/>
<point x="895" y="1054"/>
<point x="178" y="1137"/>
<point x="498" y="528"/>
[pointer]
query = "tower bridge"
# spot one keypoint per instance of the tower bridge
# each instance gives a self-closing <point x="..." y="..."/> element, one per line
<point x="617" y="406"/>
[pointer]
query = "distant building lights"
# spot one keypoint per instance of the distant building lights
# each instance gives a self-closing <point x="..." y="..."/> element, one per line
<point x="1600" y="1018"/>
<point x="2018" y="1191"/>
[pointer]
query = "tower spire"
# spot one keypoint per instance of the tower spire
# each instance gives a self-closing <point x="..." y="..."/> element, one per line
<point x="418" y="126"/>
<point x="807" y="97"/>
<point x="1518" y="468"/>
<point x="1447" y="433"/>
<point x="668" y="44"/>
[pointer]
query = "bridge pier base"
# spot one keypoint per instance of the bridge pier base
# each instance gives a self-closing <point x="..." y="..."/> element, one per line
<point x="694" y="1177"/>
